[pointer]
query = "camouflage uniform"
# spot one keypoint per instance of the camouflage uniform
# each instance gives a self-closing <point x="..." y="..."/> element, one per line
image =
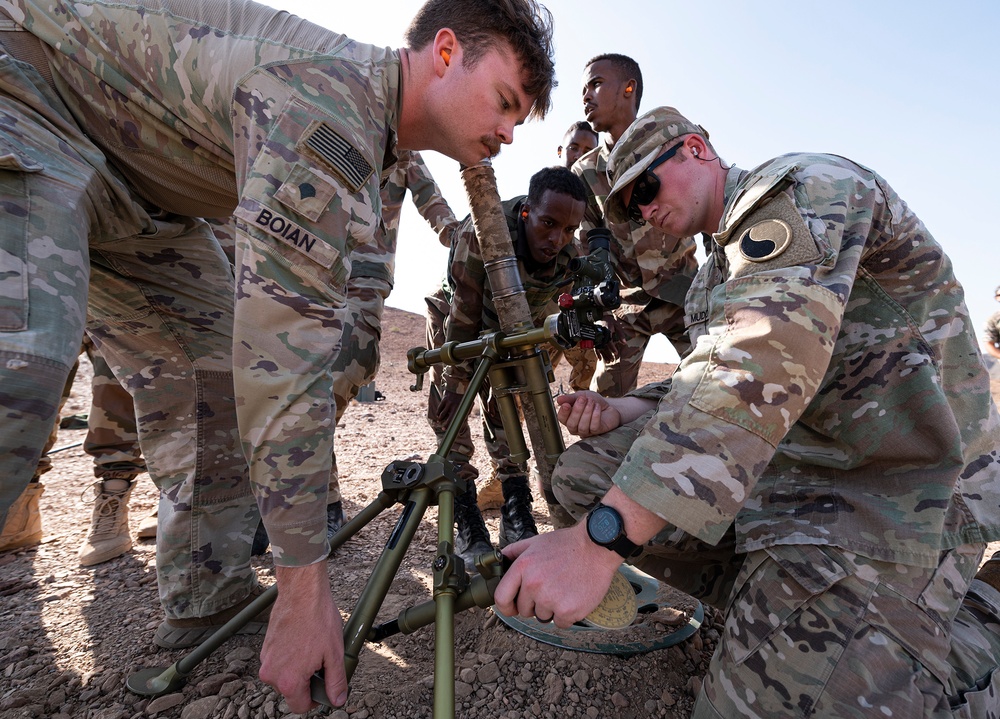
<point x="826" y="458"/>
<point x="372" y="269"/>
<point x="463" y="309"/>
<point x="991" y="332"/>
<point x="655" y="271"/>
<point x="112" y="438"/>
<point x="119" y="128"/>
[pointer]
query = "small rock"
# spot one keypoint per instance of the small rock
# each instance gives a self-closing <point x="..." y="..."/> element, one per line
<point x="211" y="685"/>
<point x="202" y="708"/>
<point x="619" y="700"/>
<point x="162" y="704"/>
<point x="488" y="673"/>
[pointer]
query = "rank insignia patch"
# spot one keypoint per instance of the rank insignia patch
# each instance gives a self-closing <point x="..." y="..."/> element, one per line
<point x="765" y="240"/>
<point x="305" y="192"/>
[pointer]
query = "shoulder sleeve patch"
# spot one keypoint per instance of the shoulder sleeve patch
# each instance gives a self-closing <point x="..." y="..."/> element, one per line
<point x="771" y="237"/>
<point x="323" y="142"/>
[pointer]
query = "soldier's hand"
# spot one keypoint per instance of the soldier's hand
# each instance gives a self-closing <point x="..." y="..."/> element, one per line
<point x="559" y="576"/>
<point x="587" y="413"/>
<point x="609" y="351"/>
<point x="305" y="634"/>
<point x="447" y="407"/>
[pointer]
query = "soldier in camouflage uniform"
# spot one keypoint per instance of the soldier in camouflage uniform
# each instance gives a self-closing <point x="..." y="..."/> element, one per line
<point x="579" y="139"/>
<point x="991" y="333"/>
<point x="113" y="441"/>
<point x="654" y="268"/>
<point x="542" y="225"/>
<point x="122" y="124"/>
<point x="824" y="465"/>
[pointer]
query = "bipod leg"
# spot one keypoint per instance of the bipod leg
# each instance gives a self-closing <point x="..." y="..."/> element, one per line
<point x="359" y="626"/>
<point x="157" y="681"/>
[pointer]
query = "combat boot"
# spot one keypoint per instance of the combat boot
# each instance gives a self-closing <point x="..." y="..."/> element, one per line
<point x="516" y="522"/>
<point x="471" y="535"/>
<point x="183" y="633"/>
<point x="334" y="518"/>
<point x="109" y="537"/>
<point x="23" y="527"/>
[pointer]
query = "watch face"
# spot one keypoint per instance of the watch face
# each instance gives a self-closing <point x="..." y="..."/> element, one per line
<point x="605" y="525"/>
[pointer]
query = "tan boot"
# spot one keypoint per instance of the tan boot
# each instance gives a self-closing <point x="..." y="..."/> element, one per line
<point x="490" y="494"/>
<point x="24" y="521"/>
<point x="109" y="537"/>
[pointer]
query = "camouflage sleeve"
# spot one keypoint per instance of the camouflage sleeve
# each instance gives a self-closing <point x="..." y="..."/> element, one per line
<point x="304" y="206"/>
<point x="429" y="200"/>
<point x="593" y="216"/>
<point x="771" y="329"/>
<point x="465" y="320"/>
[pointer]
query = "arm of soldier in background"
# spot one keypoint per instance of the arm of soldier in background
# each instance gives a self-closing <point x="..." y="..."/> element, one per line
<point x="429" y="200"/>
<point x="465" y="318"/>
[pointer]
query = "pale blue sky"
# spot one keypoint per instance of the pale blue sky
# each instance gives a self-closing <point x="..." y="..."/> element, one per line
<point x="908" y="89"/>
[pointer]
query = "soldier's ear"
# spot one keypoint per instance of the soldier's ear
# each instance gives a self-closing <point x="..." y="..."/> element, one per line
<point x="443" y="50"/>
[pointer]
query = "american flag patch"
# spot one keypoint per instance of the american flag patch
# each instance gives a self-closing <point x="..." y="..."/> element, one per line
<point x="339" y="154"/>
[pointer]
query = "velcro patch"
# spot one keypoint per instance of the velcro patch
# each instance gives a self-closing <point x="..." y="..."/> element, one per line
<point x="305" y="192"/>
<point x="281" y="228"/>
<point x="337" y="153"/>
<point x="765" y="240"/>
<point x="771" y="236"/>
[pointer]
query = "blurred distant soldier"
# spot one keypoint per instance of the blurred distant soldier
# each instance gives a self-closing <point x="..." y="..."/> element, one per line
<point x="991" y="334"/>
<point x="579" y="139"/>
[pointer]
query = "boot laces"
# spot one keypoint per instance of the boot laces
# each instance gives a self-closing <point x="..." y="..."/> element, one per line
<point x="108" y="507"/>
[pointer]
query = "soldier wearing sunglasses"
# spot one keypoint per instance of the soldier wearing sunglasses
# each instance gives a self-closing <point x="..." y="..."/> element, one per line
<point x="822" y="466"/>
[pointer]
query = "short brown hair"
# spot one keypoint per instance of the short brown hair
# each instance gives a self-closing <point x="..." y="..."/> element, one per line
<point x="480" y="25"/>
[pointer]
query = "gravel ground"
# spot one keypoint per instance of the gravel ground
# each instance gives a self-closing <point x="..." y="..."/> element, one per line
<point x="71" y="636"/>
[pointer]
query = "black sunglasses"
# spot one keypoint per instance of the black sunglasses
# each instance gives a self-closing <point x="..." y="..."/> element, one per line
<point x="646" y="186"/>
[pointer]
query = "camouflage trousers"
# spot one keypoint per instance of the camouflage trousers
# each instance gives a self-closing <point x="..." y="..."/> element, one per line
<point x="160" y="309"/>
<point x="494" y="435"/>
<point x="816" y="631"/>
<point x="112" y="436"/>
<point x="636" y="324"/>
<point x="358" y="360"/>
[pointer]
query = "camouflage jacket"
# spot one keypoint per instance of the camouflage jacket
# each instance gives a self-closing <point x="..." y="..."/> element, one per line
<point x="205" y="106"/>
<point x="660" y="265"/>
<point x="472" y="310"/>
<point x="834" y="393"/>
<point x="377" y="260"/>
<point x="991" y="332"/>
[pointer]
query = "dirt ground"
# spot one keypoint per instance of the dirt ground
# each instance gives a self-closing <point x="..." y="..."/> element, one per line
<point x="71" y="636"/>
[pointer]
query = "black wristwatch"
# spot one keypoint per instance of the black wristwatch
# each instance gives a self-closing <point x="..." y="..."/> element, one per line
<point x="606" y="529"/>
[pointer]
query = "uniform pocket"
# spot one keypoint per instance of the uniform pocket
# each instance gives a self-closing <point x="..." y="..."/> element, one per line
<point x="16" y="204"/>
<point x="774" y="588"/>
